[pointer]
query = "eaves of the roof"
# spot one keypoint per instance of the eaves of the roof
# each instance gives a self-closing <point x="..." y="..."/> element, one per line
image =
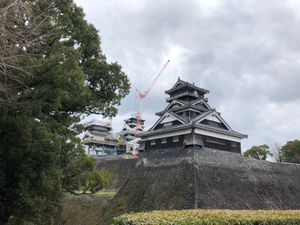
<point x="222" y="131"/>
<point x="195" y="107"/>
<point x="165" y="130"/>
<point x="202" y="115"/>
<point x="193" y="125"/>
<point x="163" y="111"/>
<point x="184" y="84"/>
<point x="179" y="118"/>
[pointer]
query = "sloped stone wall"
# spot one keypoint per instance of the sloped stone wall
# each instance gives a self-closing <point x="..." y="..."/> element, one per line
<point x="205" y="178"/>
<point x="226" y="180"/>
<point x="121" y="170"/>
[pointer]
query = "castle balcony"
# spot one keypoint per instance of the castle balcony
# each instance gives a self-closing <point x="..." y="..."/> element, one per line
<point x="134" y="124"/>
<point x="131" y="123"/>
<point x="100" y="140"/>
<point x="93" y="139"/>
<point x="187" y="93"/>
<point x="99" y="132"/>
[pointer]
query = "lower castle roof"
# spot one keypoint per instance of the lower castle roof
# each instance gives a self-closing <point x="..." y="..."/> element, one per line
<point x="193" y="126"/>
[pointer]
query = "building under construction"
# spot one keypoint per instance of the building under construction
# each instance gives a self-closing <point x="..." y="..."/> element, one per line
<point x="100" y="141"/>
<point x="131" y="128"/>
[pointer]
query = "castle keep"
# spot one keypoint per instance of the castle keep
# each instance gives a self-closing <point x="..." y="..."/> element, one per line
<point x="188" y="120"/>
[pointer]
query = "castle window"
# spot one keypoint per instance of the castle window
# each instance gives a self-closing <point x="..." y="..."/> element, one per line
<point x="175" y="139"/>
<point x="233" y="144"/>
<point x="216" y="141"/>
<point x="153" y="142"/>
<point x="168" y="124"/>
<point x="164" y="140"/>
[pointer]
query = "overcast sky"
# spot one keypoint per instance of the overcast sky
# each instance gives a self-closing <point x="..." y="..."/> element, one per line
<point x="247" y="53"/>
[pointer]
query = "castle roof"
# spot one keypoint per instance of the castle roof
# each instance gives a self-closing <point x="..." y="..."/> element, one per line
<point x="190" y="126"/>
<point x="187" y="112"/>
<point x="180" y="84"/>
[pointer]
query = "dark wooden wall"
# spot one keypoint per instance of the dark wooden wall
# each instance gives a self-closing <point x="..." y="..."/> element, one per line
<point x="209" y="142"/>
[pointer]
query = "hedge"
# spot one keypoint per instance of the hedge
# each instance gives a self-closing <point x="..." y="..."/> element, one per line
<point x="211" y="217"/>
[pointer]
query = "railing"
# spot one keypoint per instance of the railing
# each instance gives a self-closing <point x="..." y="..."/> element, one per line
<point x="194" y="94"/>
<point x="100" y="141"/>
<point x="98" y="132"/>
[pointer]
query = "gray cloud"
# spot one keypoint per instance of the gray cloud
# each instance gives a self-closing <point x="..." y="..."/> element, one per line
<point x="247" y="53"/>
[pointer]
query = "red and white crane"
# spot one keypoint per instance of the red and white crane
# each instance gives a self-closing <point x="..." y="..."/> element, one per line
<point x="141" y="95"/>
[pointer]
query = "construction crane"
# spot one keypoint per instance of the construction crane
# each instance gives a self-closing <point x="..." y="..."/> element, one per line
<point x="141" y="95"/>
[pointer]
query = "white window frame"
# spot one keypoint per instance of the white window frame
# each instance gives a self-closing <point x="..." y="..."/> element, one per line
<point x="214" y="140"/>
<point x="175" y="139"/>
<point x="163" y="140"/>
<point x="233" y="144"/>
<point x="153" y="142"/>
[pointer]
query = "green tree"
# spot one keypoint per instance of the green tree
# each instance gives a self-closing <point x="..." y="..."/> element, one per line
<point x="260" y="152"/>
<point x="291" y="152"/>
<point x="68" y="75"/>
<point x="81" y="177"/>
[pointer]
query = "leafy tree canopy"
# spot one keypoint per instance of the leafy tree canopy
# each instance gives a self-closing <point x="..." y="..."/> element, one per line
<point x="53" y="79"/>
<point x="291" y="152"/>
<point x="260" y="152"/>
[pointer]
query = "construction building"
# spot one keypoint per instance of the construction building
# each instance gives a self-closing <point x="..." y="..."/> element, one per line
<point x="100" y="141"/>
<point x="131" y="128"/>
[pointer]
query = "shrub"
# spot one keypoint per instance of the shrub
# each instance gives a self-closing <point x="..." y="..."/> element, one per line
<point x="211" y="217"/>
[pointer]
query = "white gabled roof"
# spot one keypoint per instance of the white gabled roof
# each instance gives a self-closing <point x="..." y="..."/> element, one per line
<point x="168" y="116"/>
<point x="203" y="102"/>
<point x="172" y="103"/>
<point x="211" y="115"/>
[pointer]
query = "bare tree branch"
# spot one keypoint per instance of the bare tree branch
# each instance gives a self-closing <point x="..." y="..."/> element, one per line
<point x="21" y="29"/>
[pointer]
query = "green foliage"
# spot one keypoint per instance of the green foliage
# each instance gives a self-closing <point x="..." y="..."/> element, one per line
<point x="29" y="172"/>
<point x="211" y="217"/>
<point x="108" y="178"/>
<point x="291" y="152"/>
<point x="81" y="177"/>
<point x="85" y="209"/>
<point x="40" y="155"/>
<point x="260" y="152"/>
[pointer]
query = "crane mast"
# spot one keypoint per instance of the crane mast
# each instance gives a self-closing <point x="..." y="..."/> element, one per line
<point x="141" y="95"/>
